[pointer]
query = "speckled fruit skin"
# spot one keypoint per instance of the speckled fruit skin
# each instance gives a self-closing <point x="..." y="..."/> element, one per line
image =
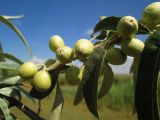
<point x="132" y="47"/>
<point x="115" y="56"/>
<point x="73" y="75"/>
<point x="127" y="27"/>
<point x="65" y="54"/>
<point x="27" y="70"/>
<point x="55" y="42"/>
<point x="151" y="15"/>
<point x="42" y="81"/>
<point x="83" y="48"/>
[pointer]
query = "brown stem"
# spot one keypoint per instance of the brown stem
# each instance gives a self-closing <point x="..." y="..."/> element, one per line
<point x="39" y="107"/>
<point x="25" y="85"/>
<point x="56" y="65"/>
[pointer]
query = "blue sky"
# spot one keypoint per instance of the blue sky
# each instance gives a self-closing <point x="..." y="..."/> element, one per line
<point x="71" y="19"/>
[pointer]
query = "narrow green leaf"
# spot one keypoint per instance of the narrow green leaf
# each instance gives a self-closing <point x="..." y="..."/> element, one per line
<point x="79" y="94"/>
<point x="11" y="80"/>
<point x="90" y="92"/>
<point x="15" y="29"/>
<point x="57" y="113"/>
<point x="5" y="110"/>
<point x="10" y="92"/>
<point x="110" y="23"/>
<point x="146" y="84"/>
<point x="58" y="105"/>
<point x="2" y="59"/>
<point x="49" y="62"/>
<point x="102" y="35"/>
<point x="11" y="57"/>
<point x="108" y="77"/>
<point x="91" y="76"/>
<point x="13" y="17"/>
<point x="142" y="29"/>
<point x="9" y="66"/>
<point x="10" y="73"/>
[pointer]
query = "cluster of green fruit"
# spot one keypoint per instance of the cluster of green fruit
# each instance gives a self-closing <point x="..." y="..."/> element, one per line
<point x="126" y="29"/>
<point x="83" y="48"/>
<point x="41" y="79"/>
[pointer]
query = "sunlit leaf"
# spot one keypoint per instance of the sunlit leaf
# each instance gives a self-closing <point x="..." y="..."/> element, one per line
<point x="13" y="17"/>
<point x="49" y="62"/>
<point x="5" y="110"/>
<point x="11" y="80"/>
<point x="2" y="59"/>
<point x="11" y="57"/>
<point x="15" y="29"/>
<point x="9" y="66"/>
<point x="58" y="105"/>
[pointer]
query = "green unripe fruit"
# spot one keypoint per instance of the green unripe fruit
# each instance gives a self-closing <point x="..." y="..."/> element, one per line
<point x="73" y="75"/>
<point x="65" y="54"/>
<point x="27" y="70"/>
<point x="115" y="56"/>
<point x="55" y="42"/>
<point x="127" y="27"/>
<point x="151" y="15"/>
<point x="42" y="81"/>
<point x="132" y="47"/>
<point x="83" y="48"/>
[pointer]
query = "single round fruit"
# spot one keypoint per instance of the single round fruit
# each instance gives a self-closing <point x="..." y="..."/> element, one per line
<point x="151" y="15"/>
<point x="42" y="81"/>
<point x="55" y="42"/>
<point x="115" y="56"/>
<point x="73" y="75"/>
<point x="65" y="54"/>
<point x="132" y="47"/>
<point x="127" y="27"/>
<point x="83" y="48"/>
<point x="27" y="70"/>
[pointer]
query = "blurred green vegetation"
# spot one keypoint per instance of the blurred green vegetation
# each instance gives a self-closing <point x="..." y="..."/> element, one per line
<point x="117" y="104"/>
<point x="121" y="94"/>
